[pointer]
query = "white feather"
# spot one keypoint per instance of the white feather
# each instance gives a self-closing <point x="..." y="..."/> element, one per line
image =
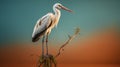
<point x="47" y="22"/>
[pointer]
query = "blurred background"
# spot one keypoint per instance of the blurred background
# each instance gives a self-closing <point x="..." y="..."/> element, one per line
<point x="98" y="44"/>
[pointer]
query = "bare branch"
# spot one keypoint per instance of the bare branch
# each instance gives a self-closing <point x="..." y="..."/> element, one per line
<point x="77" y="30"/>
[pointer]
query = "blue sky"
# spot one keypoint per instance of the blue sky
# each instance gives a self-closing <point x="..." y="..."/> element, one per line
<point x="18" y="17"/>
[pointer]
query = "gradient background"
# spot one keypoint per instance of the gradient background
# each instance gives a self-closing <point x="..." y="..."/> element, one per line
<point x="98" y="44"/>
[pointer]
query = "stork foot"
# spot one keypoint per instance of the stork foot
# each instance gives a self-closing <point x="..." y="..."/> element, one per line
<point x="47" y="61"/>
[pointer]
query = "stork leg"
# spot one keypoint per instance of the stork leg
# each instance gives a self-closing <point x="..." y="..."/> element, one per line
<point x="43" y="45"/>
<point x="47" y="44"/>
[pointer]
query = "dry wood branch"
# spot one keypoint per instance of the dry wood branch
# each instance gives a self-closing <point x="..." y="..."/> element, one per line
<point x="47" y="60"/>
<point x="77" y="30"/>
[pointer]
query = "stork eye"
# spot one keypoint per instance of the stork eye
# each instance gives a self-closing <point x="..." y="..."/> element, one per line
<point x="59" y="5"/>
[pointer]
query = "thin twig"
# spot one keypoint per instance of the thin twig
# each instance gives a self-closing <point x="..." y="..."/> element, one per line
<point x="77" y="30"/>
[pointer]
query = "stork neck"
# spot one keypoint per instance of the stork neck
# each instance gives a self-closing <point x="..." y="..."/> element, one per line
<point x="57" y="12"/>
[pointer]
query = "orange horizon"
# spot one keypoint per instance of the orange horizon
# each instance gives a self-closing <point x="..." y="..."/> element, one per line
<point x="101" y="48"/>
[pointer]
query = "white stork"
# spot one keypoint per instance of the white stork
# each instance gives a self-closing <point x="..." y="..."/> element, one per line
<point x="46" y="23"/>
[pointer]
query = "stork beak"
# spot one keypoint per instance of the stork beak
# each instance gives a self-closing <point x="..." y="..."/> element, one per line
<point x="65" y="8"/>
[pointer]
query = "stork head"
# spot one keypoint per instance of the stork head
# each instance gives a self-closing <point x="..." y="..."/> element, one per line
<point x="60" y="6"/>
